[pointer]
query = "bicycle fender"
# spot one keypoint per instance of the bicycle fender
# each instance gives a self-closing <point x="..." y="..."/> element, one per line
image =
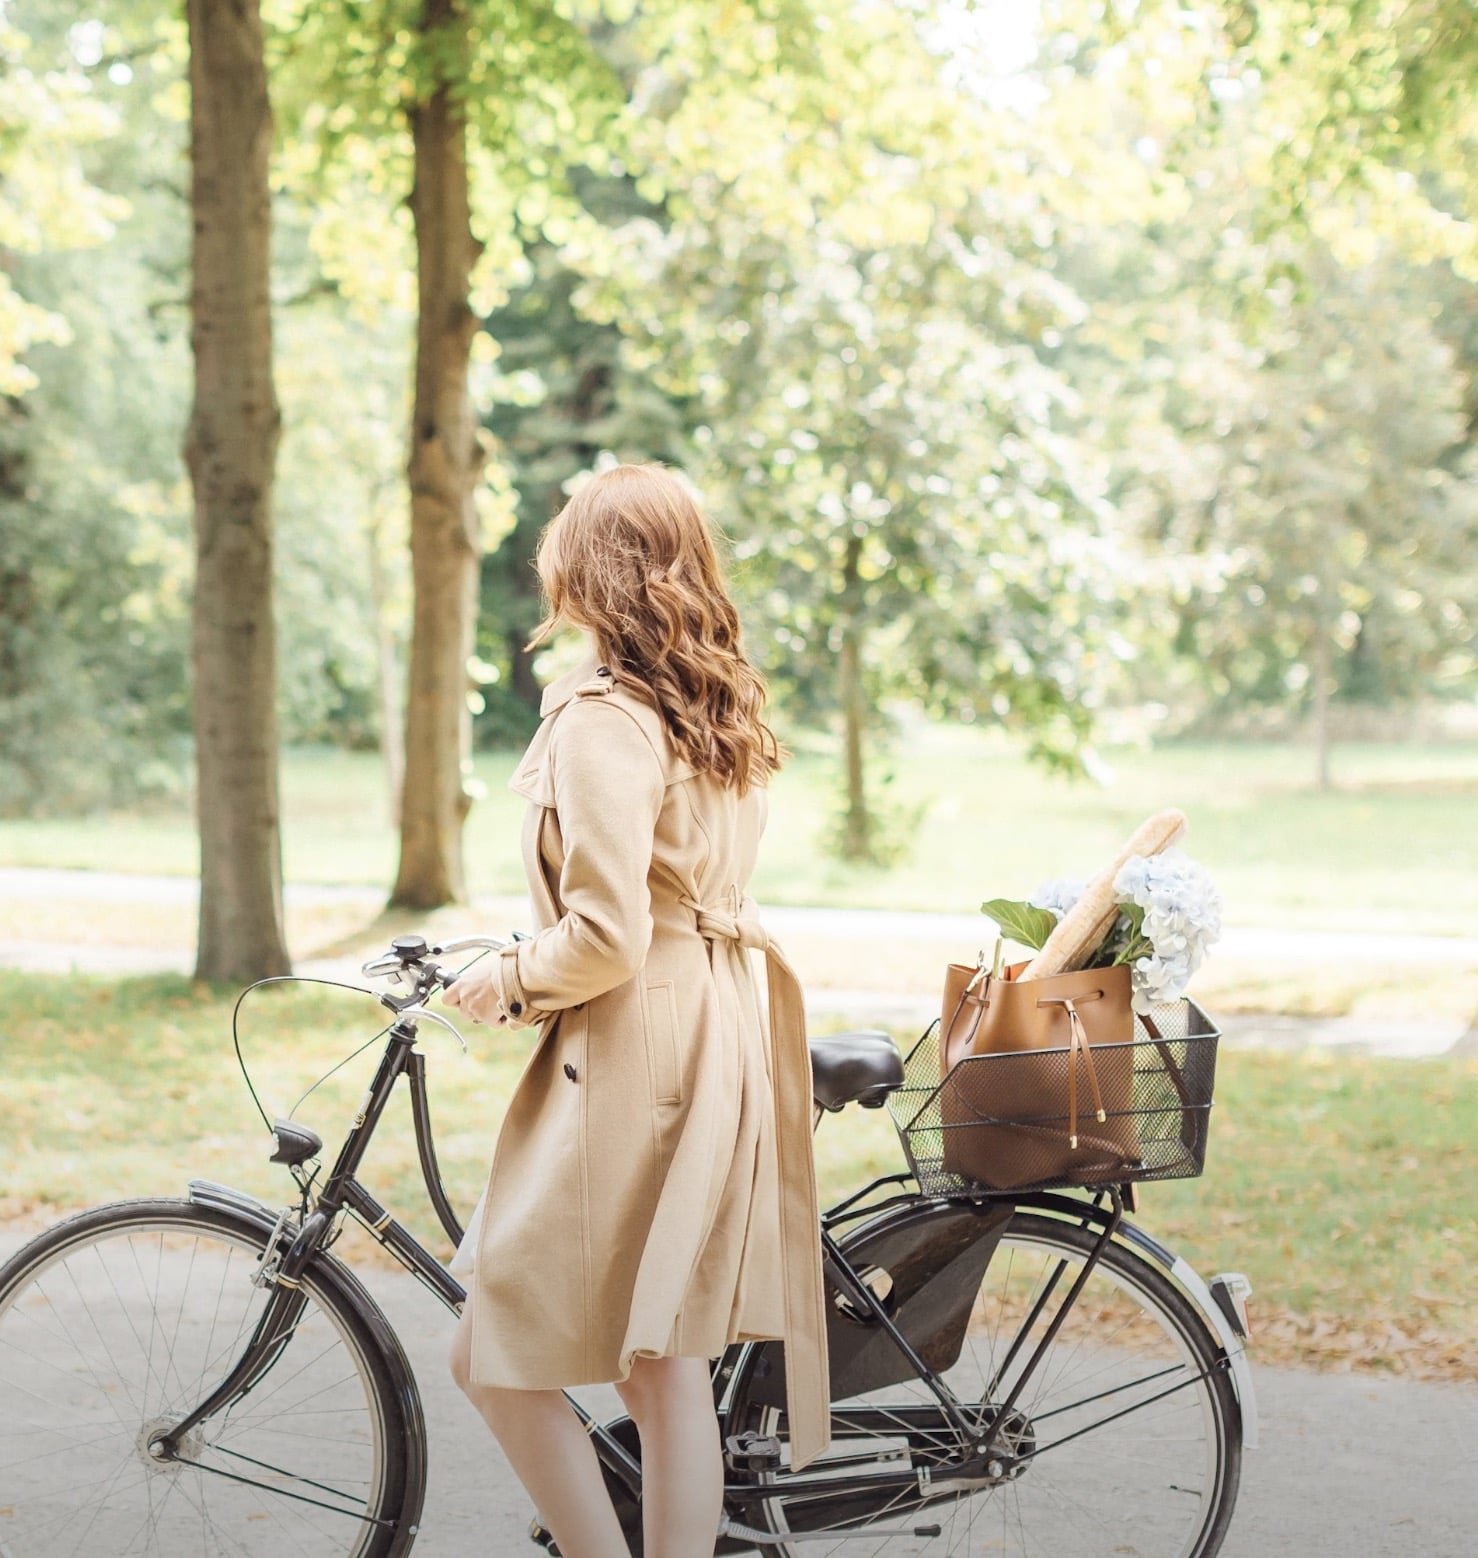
<point x="926" y="1262"/>
<point x="1191" y="1284"/>
<point x="227" y="1198"/>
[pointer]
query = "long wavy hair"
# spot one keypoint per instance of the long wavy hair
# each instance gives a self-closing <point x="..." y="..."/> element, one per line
<point x="631" y="558"/>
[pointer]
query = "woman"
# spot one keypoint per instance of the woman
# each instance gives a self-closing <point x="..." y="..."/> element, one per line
<point x="652" y="1195"/>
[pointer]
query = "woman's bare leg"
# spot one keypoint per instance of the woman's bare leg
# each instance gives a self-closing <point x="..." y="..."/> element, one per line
<point x="671" y="1402"/>
<point x="550" y="1453"/>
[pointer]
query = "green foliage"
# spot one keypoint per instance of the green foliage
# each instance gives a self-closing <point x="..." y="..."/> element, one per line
<point x="1126" y="941"/>
<point x="890" y="822"/>
<point x="92" y="673"/>
<point x="879" y="426"/>
<point x="1030" y="926"/>
<point x="93" y="556"/>
<point x="1357" y="113"/>
<point x="1141" y="371"/>
<point x="1314" y="488"/>
<point x="1289" y="403"/>
<point x="563" y="396"/>
<point x="48" y="121"/>
<point x="94" y="508"/>
<point x="92" y="694"/>
<point x="1379" y="84"/>
<point x="1023" y="922"/>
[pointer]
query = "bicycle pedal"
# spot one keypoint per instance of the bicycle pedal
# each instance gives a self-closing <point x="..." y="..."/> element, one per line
<point x="751" y="1451"/>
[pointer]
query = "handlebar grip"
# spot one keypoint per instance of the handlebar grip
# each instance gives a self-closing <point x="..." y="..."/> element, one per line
<point x="443" y="976"/>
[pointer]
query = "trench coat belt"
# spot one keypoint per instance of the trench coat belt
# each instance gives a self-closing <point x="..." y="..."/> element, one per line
<point x="807" y="1382"/>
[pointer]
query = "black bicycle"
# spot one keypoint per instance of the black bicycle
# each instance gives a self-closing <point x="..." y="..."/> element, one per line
<point x="1021" y="1373"/>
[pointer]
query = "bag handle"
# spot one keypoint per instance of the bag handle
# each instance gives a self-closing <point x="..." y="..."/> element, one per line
<point x="1177" y="1076"/>
<point x="974" y="979"/>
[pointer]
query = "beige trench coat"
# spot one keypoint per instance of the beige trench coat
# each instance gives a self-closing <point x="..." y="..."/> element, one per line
<point x="653" y="1188"/>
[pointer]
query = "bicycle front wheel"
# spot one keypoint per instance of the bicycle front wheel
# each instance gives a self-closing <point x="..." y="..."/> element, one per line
<point x="116" y="1323"/>
<point x="1124" y="1439"/>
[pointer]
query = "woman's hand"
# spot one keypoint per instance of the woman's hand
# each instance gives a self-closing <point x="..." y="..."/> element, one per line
<point x="476" y="996"/>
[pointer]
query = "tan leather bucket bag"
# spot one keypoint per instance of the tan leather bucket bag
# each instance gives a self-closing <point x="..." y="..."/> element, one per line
<point x="1045" y="1069"/>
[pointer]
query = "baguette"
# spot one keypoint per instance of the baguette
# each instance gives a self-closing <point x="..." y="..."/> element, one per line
<point x="1080" y="931"/>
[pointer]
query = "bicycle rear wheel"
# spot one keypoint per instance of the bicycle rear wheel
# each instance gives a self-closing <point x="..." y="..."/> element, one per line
<point x="1124" y="1440"/>
<point x="117" y="1322"/>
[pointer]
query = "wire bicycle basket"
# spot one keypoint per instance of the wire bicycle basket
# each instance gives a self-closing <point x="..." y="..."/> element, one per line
<point x="1158" y="1129"/>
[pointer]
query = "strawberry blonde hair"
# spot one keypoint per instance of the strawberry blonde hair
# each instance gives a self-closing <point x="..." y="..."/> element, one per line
<point x="631" y="557"/>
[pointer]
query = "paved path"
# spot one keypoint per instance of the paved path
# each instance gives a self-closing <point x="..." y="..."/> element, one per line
<point x="938" y="936"/>
<point x="1349" y="1466"/>
<point x="1278" y="946"/>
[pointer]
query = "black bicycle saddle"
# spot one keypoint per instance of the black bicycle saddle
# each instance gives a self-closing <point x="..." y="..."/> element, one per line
<point x="863" y="1067"/>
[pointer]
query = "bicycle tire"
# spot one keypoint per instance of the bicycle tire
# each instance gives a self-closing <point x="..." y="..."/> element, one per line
<point x="1119" y="1268"/>
<point x="146" y="1352"/>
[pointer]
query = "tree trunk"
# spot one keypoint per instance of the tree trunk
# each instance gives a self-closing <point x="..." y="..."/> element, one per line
<point x="857" y="825"/>
<point x="230" y="450"/>
<point x="446" y="457"/>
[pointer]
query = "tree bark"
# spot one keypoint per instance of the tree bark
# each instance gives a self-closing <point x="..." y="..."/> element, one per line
<point x="446" y="458"/>
<point x="230" y="450"/>
<point x="857" y="825"/>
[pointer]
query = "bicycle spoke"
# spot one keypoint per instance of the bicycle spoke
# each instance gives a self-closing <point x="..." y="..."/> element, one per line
<point x="1113" y="1390"/>
<point x="71" y="1511"/>
<point x="1111" y="1445"/>
<point x="120" y="1331"/>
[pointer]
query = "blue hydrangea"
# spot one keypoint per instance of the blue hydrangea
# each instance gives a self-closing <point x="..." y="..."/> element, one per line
<point x="1182" y="918"/>
<point x="1057" y="896"/>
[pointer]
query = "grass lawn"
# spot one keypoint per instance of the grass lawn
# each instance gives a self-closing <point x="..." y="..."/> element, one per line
<point x="1340" y="1185"/>
<point x="1394" y="845"/>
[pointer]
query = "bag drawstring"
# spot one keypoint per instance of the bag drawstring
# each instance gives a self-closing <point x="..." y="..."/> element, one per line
<point x="1078" y="1045"/>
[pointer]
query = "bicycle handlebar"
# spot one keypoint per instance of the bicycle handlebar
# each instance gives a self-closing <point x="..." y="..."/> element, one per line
<point x="407" y="952"/>
<point x="409" y="959"/>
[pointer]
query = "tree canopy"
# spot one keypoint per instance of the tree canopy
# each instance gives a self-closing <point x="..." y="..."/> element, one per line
<point x="1037" y="361"/>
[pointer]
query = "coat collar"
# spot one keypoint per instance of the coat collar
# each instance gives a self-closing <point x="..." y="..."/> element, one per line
<point x="530" y="777"/>
<point x="562" y="688"/>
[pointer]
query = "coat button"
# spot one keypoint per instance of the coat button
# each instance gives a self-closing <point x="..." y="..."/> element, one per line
<point x="515" y="1007"/>
<point x="569" y="1071"/>
<point x="602" y="670"/>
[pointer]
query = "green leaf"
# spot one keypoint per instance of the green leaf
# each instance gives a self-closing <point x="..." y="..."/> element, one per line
<point x="1022" y="922"/>
<point x="1125" y="942"/>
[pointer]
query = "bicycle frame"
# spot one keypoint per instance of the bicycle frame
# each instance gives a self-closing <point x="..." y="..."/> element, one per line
<point x="291" y="1247"/>
<point x="343" y="1192"/>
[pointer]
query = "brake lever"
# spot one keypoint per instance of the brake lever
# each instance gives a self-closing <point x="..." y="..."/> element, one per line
<point x="419" y="1012"/>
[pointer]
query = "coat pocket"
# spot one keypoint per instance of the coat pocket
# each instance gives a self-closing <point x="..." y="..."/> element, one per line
<point x="662" y="1057"/>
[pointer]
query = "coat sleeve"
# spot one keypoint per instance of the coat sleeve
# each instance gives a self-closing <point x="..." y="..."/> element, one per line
<point x="608" y="791"/>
